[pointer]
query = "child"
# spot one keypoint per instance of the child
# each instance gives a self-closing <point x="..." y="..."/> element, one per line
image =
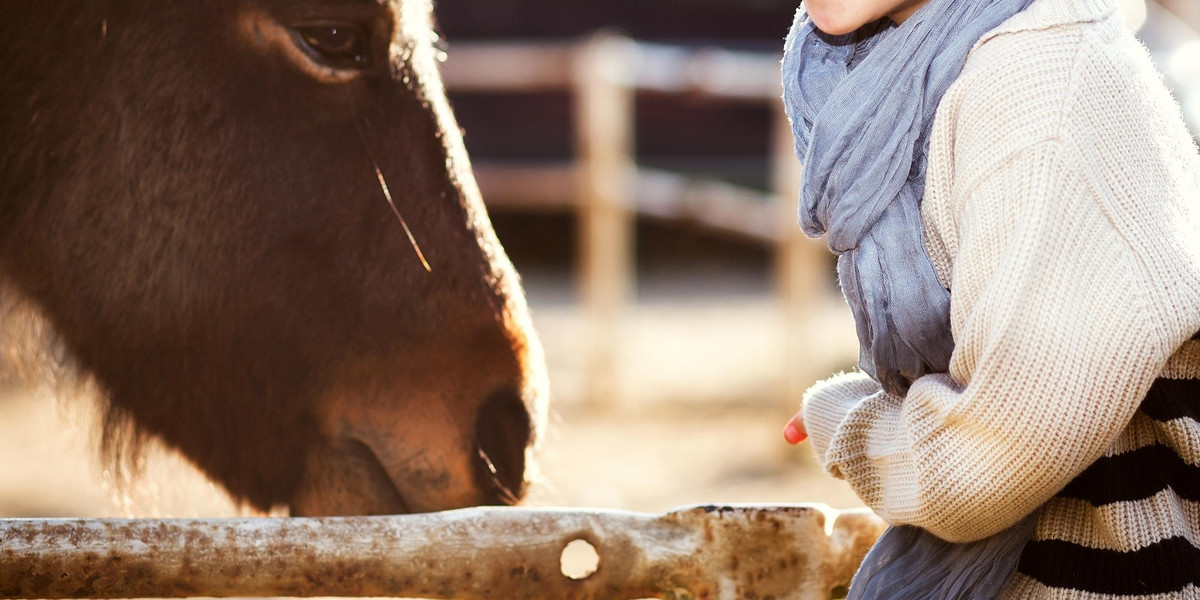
<point x="1015" y="202"/>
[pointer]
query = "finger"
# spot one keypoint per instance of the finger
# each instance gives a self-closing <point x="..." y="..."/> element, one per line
<point x="795" y="432"/>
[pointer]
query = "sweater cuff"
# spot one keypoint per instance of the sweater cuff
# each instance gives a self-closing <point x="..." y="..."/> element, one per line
<point x="826" y="405"/>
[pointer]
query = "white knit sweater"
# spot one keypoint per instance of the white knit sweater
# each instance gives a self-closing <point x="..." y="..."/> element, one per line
<point x="1062" y="210"/>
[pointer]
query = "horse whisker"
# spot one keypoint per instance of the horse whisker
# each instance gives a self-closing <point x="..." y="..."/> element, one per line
<point x="506" y="495"/>
<point x="392" y="203"/>
<point x="387" y="194"/>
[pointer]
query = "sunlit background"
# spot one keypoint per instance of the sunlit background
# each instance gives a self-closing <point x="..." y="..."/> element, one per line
<point x="635" y="164"/>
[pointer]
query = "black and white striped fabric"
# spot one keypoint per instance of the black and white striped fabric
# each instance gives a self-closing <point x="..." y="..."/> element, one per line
<point x="1128" y="526"/>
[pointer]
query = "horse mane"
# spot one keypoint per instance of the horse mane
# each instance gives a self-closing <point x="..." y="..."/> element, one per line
<point x="31" y="350"/>
<point x="33" y="354"/>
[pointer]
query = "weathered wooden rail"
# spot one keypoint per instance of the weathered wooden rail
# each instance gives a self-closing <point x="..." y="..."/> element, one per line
<point x="798" y="552"/>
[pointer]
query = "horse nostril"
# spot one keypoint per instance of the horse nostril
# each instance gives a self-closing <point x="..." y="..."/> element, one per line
<point x="502" y="429"/>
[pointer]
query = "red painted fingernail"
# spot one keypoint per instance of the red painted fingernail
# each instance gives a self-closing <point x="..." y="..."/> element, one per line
<point x="793" y="435"/>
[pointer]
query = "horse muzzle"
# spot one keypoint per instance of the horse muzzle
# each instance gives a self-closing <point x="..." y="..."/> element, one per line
<point x="435" y="457"/>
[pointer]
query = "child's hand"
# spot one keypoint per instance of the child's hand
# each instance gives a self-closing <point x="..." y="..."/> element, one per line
<point x="795" y="432"/>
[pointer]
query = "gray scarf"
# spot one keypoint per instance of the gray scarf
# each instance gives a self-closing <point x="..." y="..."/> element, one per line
<point x="862" y="108"/>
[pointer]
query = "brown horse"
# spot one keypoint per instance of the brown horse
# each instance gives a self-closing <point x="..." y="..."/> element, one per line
<point x="252" y="223"/>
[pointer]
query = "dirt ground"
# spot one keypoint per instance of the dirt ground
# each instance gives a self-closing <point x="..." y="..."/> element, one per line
<point x="699" y="420"/>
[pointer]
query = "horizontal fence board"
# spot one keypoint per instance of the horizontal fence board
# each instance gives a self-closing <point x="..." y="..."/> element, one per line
<point x="722" y="552"/>
<point x="709" y="203"/>
<point x="526" y="67"/>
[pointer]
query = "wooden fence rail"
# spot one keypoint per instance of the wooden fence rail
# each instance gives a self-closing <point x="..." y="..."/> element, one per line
<point x="714" y="552"/>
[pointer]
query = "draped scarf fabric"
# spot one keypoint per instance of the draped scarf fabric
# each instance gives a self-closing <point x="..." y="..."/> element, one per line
<point x="862" y="108"/>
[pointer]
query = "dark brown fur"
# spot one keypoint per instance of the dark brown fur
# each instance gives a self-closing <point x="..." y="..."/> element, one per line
<point x="201" y="223"/>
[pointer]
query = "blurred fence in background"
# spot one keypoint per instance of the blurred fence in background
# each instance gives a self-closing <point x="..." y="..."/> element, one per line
<point x="604" y="182"/>
<point x="607" y="187"/>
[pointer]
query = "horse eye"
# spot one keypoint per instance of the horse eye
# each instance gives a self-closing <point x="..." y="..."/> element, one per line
<point x="337" y="45"/>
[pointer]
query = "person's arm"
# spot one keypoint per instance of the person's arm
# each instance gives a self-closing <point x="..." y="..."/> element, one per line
<point x="1060" y="330"/>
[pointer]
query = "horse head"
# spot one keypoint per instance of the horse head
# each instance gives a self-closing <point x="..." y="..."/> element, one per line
<point x="253" y="224"/>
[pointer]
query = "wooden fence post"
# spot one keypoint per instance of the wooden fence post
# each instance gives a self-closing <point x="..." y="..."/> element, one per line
<point x="800" y="264"/>
<point x="604" y="103"/>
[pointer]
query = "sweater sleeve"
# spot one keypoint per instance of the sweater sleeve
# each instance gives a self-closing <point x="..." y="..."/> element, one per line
<point x="1059" y="334"/>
